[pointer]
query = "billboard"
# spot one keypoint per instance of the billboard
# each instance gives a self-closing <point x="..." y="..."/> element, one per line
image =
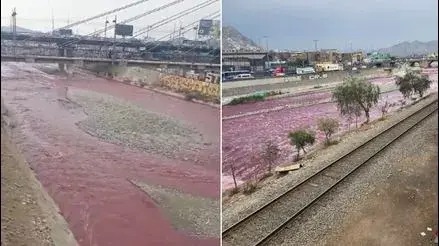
<point x="205" y="27"/>
<point x="124" y="30"/>
<point x="67" y="32"/>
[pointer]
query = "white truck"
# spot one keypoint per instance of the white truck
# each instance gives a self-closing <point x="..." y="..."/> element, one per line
<point x="305" y="70"/>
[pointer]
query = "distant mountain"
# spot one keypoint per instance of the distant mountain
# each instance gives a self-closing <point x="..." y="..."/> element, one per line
<point x="405" y="49"/>
<point x="234" y="40"/>
<point x="19" y="29"/>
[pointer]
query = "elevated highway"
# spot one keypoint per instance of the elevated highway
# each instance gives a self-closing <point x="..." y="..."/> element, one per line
<point x="84" y="60"/>
<point x="100" y="41"/>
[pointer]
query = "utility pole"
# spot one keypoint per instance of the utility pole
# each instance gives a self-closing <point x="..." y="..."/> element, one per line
<point x="53" y="23"/>
<point x="114" y="41"/>
<point x="14" y="28"/>
<point x="105" y="29"/>
<point x="266" y="42"/>
<point x="315" y="44"/>
<point x="196" y="32"/>
<point x="175" y="32"/>
<point x="147" y="31"/>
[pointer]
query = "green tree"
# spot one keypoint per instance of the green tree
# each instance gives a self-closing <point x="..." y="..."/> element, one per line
<point x="300" y="139"/>
<point x="421" y="85"/>
<point x="406" y="84"/>
<point x="328" y="126"/>
<point x="356" y="93"/>
<point x="412" y="83"/>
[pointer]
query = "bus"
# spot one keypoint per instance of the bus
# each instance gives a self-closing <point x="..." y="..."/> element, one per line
<point x="230" y="75"/>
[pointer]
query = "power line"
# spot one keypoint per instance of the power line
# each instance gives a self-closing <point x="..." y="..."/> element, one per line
<point x="139" y="16"/>
<point x="103" y="14"/>
<point x="185" y="12"/>
<point x="126" y="21"/>
<point x="98" y="16"/>
<point x="211" y="16"/>
<point x="173" y="17"/>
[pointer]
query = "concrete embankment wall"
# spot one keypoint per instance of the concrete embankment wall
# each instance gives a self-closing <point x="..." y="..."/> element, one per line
<point x="325" y="77"/>
<point x="144" y="77"/>
<point x="237" y="88"/>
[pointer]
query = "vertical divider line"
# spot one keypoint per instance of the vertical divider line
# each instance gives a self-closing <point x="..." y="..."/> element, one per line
<point x="221" y="121"/>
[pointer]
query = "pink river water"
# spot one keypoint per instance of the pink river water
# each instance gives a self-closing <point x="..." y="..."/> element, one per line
<point x="89" y="178"/>
<point x="246" y="127"/>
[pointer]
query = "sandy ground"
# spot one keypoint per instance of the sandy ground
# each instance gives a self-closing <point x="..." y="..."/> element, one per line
<point x="88" y="176"/>
<point x="28" y="215"/>
<point x="398" y="211"/>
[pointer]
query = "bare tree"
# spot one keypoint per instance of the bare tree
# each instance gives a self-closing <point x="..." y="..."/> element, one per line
<point x="384" y="108"/>
<point x="270" y="154"/>
<point x="232" y="169"/>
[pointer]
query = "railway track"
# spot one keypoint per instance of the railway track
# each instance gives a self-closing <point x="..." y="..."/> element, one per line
<point x="260" y="226"/>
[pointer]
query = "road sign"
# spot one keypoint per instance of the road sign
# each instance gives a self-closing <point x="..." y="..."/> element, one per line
<point x="66" y="32"/>
<point x="124" y="30"/>
<point x="205" y="27"/>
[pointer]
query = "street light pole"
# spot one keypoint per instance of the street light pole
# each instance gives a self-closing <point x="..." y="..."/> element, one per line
<point x="105" y="30"/>
<point x="14" y="28"/>
<point x="315" y="44"/>
<point x="266" y="42"/>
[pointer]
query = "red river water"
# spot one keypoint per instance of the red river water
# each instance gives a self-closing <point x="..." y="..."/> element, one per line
<point x="88" y="178"/>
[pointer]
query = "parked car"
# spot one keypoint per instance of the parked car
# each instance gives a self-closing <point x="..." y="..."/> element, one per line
<point x="244" y="76"/>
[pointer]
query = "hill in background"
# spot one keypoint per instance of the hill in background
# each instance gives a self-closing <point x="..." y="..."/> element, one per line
<point x="19" y="29"/>
<point x="405" y="49"/>
<point x="234" y="40"/>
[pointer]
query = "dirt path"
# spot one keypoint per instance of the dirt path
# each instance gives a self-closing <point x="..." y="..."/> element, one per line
<point x="89" y="178"/>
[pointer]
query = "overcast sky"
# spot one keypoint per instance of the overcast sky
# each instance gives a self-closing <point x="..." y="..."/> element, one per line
<point x="367" y="24"/>
<point x="37" y="14"/>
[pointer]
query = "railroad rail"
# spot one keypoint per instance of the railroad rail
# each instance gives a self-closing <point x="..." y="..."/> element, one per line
<point x="263" y="224"/>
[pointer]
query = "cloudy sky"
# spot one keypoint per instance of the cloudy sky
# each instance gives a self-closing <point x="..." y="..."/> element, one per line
<point x="367" y="24"/>
<point x="37" y="14"/>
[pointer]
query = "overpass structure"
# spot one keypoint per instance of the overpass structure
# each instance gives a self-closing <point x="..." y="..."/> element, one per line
<point x="423" y="62"/>
<point x="96" y="47"/>
<point x="61" y="41"/>
<point x="83" y="61"/>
